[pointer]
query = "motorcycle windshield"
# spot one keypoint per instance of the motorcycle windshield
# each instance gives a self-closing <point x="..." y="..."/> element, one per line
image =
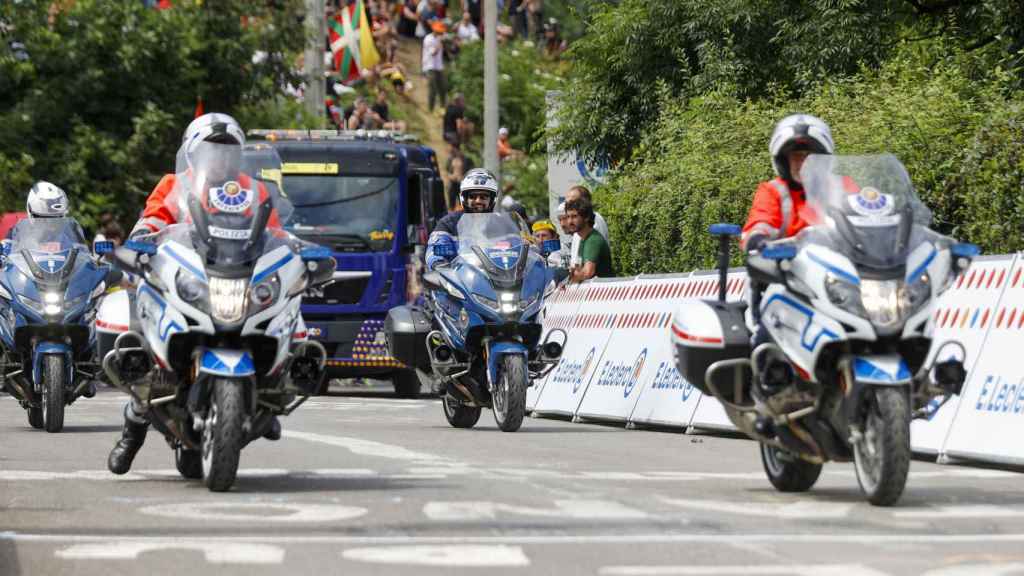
<point x="866" y="205"/>
<point x="498" y="242"/>
<point x="49" y="249"/>
<point x="228" y="202"/>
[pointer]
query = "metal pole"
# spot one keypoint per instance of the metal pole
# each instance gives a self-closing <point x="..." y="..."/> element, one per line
<point x="316" y="35"/>
<point x="491" y="87"/>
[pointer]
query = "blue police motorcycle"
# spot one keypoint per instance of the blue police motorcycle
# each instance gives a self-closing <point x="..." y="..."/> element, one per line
<point x="487" y="349"/>
<point x="49" y="285"/>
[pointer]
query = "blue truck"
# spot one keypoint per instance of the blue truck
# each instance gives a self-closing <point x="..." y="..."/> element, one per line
<point x="372" y="198"/>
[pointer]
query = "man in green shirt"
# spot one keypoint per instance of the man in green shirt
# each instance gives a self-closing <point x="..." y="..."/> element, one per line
<point x="595" y="255"/>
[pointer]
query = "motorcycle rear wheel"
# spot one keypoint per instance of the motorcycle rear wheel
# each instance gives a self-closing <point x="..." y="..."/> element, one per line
<point x="222" y="436"/>
<point x="787" y="472"/>
<point x="189" y="463"/>
<point x="510" y="395"/>
<point x="882" y="456"/>
<point x="458" y="414"/>
<point x="54" y="373"/>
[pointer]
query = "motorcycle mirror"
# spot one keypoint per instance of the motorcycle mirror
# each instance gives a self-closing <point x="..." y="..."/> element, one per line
<point x="778" y="253"/>
<point x="321" y="271"/>
<point x="140" y="247"/>
<point x="445" y="250"/>
<point x="103" y="247"/>
<point x="550" y="246"/>
<point x="964" y="250"/>
<point x="725" y="229"/>
<point x="314" y="253"/>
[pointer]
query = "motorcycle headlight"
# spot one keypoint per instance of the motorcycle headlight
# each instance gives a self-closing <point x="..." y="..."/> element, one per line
<point x="844" y="295"/>
<point x="190" y="289"/>
<point x="881" y="300"/>
<point x="509" y="302"/>
<point x="266" y="292"/>
<point x="227" y="299"/>
<point x="489" y="303"/>
<point x="916" y="294"/>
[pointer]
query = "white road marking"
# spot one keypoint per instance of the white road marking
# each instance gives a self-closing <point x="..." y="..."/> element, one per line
<point x="617" y="538"/>
<point x="961" y="511"/>
<point x="462" y="556"/>
<point x="214" y="552"/>
<point x="364" y="447"/>
<point x="753" y="570"/>
<point x="788" y="510"/>
<point x="979" y="570"/>
<point x="577" y="509"/>
<point x="263" y="512"/>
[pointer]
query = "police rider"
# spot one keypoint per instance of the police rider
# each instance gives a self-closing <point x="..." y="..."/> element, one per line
<point x="778" y="210"/>
<point x="478" y="193"/>
<point x="160" y="212"/>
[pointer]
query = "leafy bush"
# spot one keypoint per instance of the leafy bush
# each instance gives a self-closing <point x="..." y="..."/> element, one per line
<point x="961" y="139"/>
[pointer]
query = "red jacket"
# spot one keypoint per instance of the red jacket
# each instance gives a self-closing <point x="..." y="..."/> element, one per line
<point x="777" y="211"/>
<point x="161" y="208"/>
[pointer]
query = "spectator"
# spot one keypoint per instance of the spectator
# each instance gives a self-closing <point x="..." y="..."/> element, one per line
<point x="576" y="192"/>
<point x="505" y="149"/>
<point x="407" y="19"/>
<point x="383" y="113"/>
<point x="394" y="72"/>
<point x="433" y="66"/>
<point x="456" y="172"/>
<point x="554" y="44"/>
<point x="474" y="9"/>
<point x="544" y="230"/>
<point x="534" y="18"/>
<point x="517" y="14"/>
<point x="456" y="128"/>
<point x="362" y="118"/>
<point x="595" y="255"/>
<point x="467" y="32"/>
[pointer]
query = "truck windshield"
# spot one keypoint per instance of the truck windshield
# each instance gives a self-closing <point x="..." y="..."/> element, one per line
<point x="346" y="213"/>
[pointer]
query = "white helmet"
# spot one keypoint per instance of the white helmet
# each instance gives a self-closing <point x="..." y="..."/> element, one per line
<point x="213" y="127"/>
<point x="798" y="132"/>
<point x="479" y="180"/>
<point x="46" y="200"/>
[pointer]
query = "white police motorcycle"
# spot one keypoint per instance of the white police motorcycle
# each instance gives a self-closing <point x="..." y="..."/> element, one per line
<point x="217" y="308"/>
<point x="845" y="360"/>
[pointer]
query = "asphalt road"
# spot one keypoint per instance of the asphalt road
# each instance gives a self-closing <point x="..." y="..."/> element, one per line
<point x="374" y="485"/>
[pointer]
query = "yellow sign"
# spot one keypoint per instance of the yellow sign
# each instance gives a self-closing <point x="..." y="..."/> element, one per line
<point x="382" y="235"/>
<point x="309" y="168"/>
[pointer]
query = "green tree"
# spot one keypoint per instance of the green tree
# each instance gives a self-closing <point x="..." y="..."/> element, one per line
<point x="99" y="105"/>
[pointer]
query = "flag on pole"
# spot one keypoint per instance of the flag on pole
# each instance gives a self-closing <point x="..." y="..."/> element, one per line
<point x="352" y="42"/>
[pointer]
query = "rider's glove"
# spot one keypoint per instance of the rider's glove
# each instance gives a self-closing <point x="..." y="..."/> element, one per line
<point x="756" y="242"/>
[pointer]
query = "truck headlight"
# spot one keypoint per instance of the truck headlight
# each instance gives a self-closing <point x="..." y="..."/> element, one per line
<point x="227" y="299"/>
<point x="844" y="295"/>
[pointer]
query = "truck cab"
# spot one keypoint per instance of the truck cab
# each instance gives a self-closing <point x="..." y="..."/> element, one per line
<point x="372" y="198"/>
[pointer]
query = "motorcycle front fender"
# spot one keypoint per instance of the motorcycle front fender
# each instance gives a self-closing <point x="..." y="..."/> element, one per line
<point x="498" y="350"/>
<point x="888" y="370"/>
<point x="49" y="349"/>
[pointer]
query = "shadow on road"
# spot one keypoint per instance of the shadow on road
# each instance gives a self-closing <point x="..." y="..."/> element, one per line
<point x="9" y="565"/>
<point x="305" y="484"/>
<point x="92" y="428"/>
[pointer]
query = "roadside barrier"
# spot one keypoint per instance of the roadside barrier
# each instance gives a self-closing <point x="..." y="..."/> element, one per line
<point x="618" y="366"/>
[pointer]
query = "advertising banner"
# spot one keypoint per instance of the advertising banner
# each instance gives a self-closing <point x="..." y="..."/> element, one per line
<point x="965" y="314"/>
<point x="638" y="351"/>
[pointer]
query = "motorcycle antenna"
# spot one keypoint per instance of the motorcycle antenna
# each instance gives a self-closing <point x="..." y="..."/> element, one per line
<point x="725" y="233"/>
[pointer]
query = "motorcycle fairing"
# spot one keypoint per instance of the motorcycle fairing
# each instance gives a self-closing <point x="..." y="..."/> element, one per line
<point x="885" y="370"/>
<point x="224" y="362"/>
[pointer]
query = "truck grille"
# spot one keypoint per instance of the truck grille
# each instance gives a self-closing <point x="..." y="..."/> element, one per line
<point x="339" y="292"/>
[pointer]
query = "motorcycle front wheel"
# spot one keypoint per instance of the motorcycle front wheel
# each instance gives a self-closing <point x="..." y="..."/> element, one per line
<point x="787" y="472"/>
<point x="509" y="398"/>
<point x="222" y="435"/>
<point x="54" y="373"/>
<point x="882" y="456"/>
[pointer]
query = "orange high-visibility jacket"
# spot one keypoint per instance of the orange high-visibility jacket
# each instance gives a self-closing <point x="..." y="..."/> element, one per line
<point x="161" y="208"/>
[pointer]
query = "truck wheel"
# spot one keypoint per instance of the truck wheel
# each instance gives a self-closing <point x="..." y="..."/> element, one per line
<point x="54" y="373"/>
<point x="407" y="383"/>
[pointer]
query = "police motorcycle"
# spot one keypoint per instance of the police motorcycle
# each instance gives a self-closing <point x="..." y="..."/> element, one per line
<point x="213" y="354"/>
<point x="486" y="349"/>
<point x="49" y="286"/>
<point x="845" y="361"/>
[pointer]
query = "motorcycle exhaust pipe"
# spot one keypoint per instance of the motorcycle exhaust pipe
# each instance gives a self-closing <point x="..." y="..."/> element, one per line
<point x="126" y="363"/>
<point x="551" y="351"/>
<point x="306" y="372"/>
<point x="438" y="349"/>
